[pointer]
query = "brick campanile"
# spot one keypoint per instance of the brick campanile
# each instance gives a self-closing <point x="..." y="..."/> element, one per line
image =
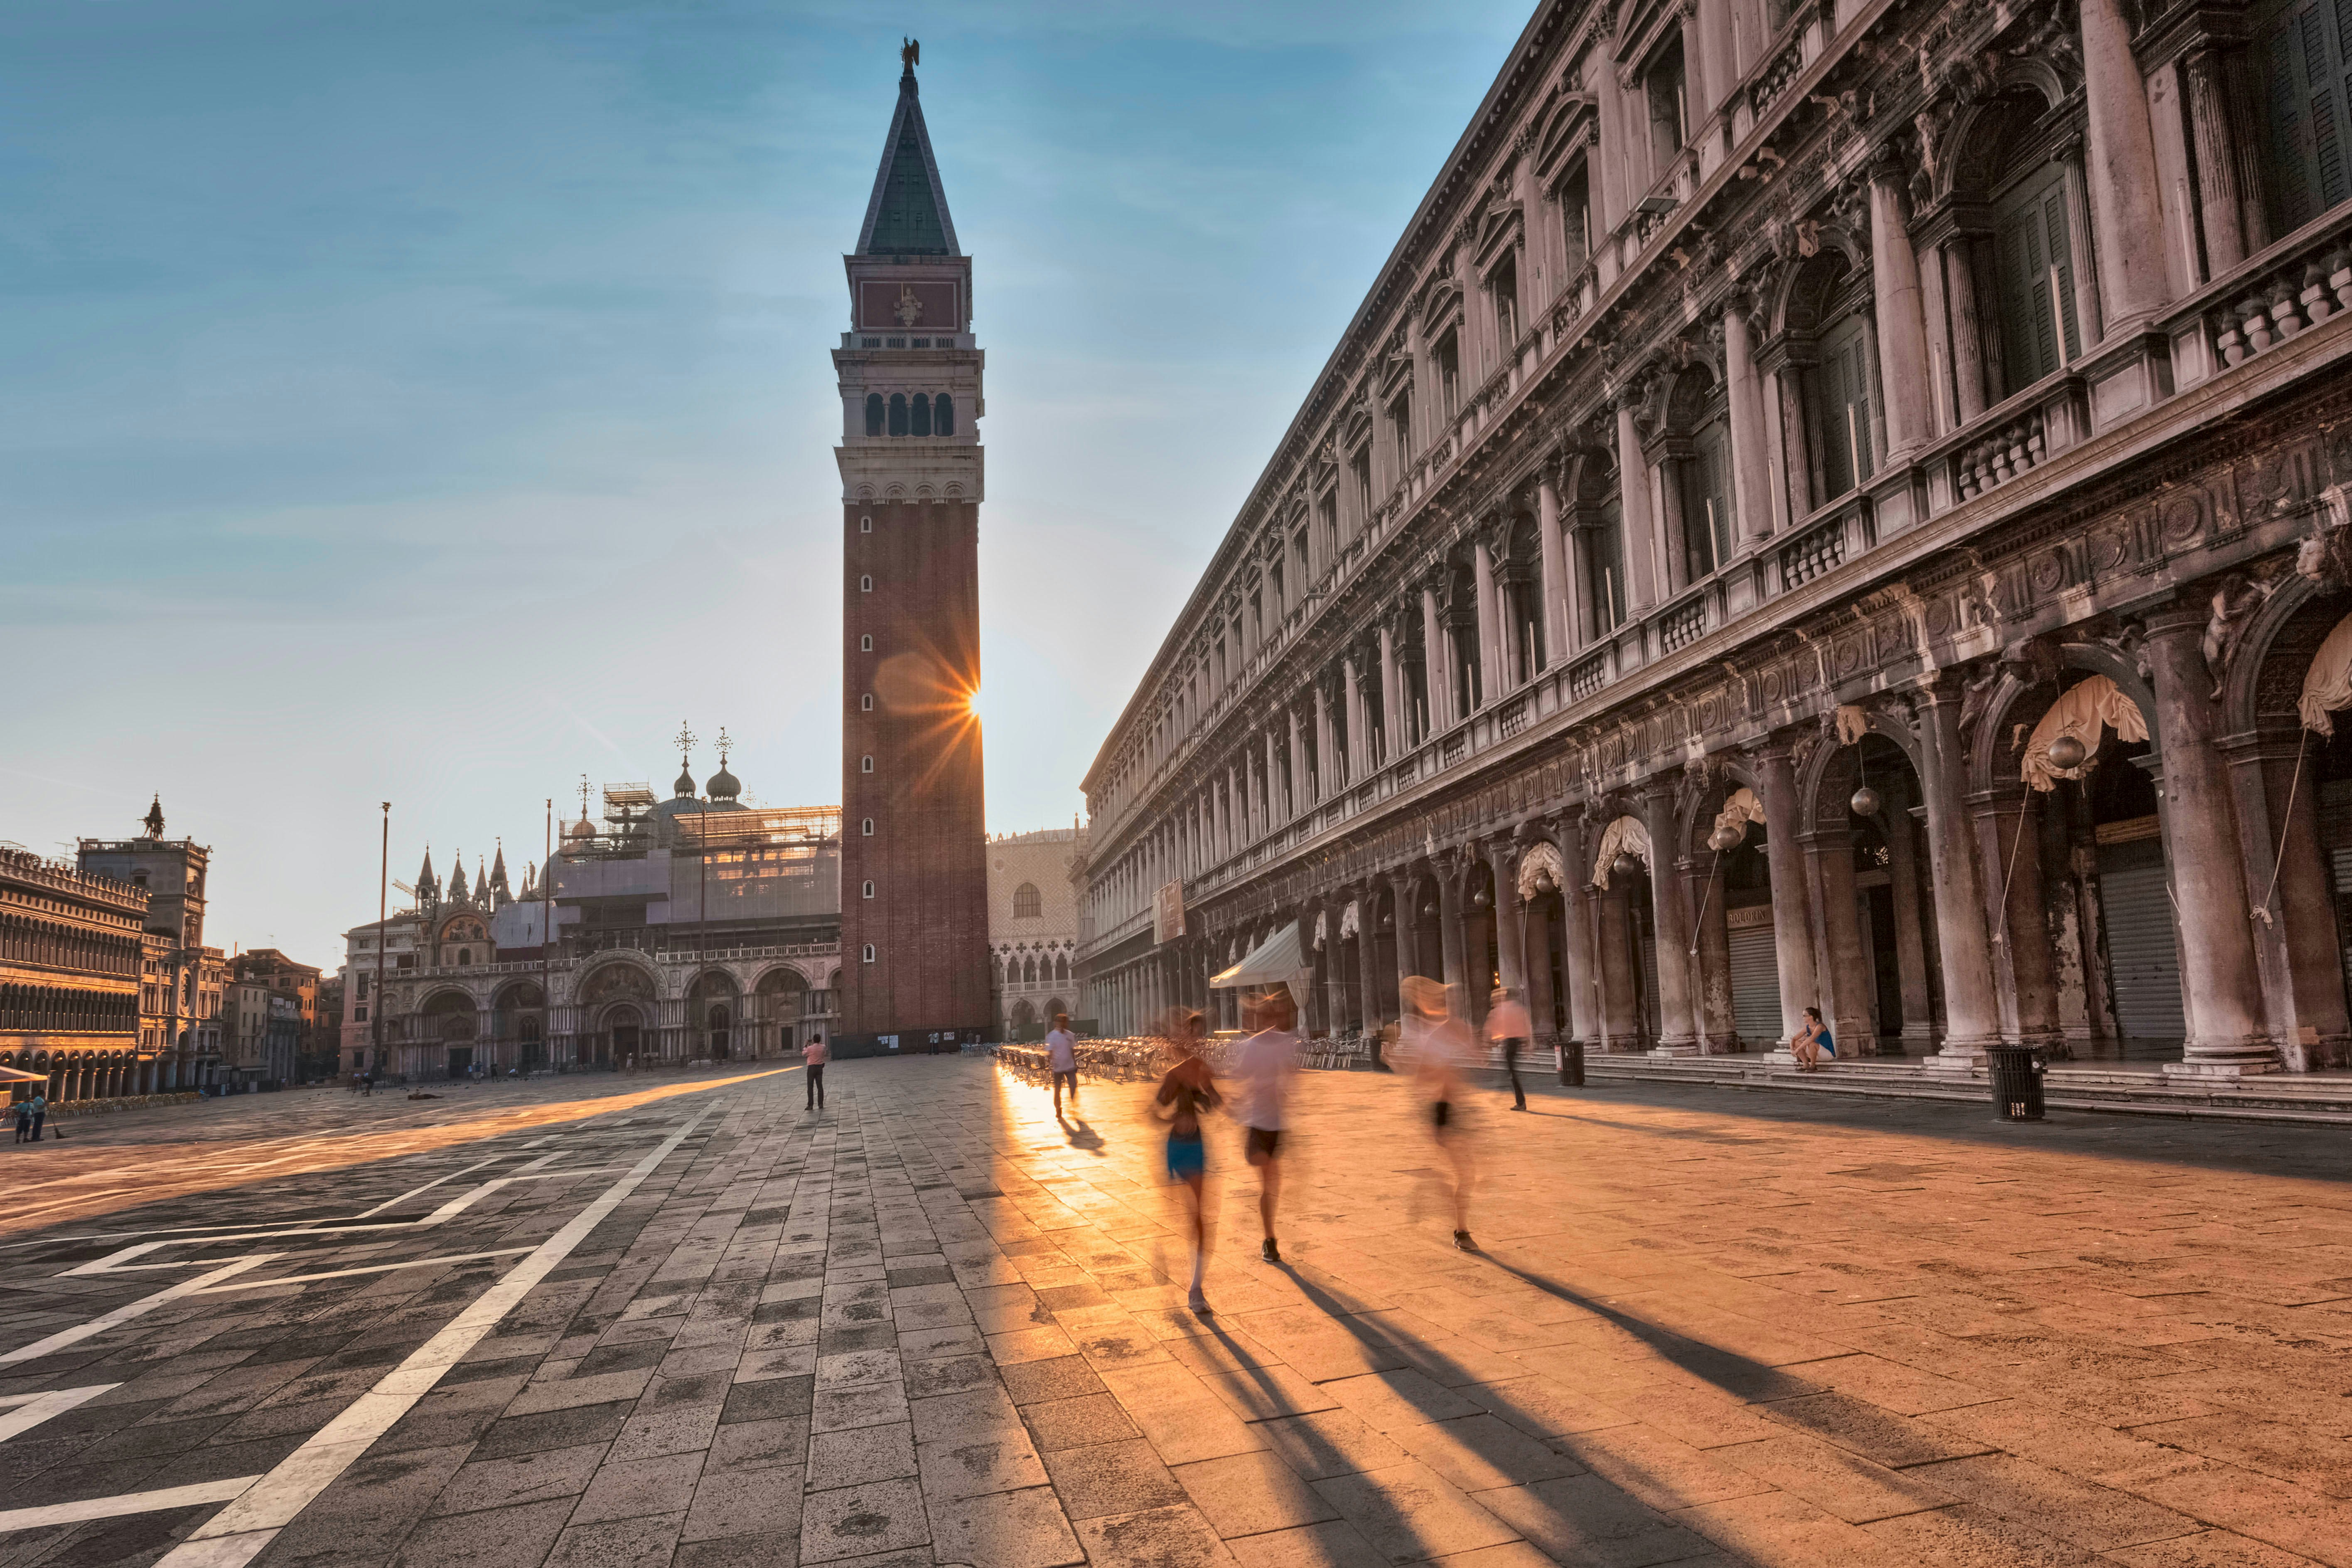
<point x="914" y="861"/>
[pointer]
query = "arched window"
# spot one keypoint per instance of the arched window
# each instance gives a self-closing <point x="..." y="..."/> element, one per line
<point x="943" y="414"/>
<point x="1026" y="904"/>
<point x="1028" y="972"/>
<point x="874" y="414"/>
<point x="2033" y="249"/>
<point x="1828" y="307"/>
<point x="922" y="416"/>
<point x="1699" y="447"/>
<point x="1062" y="970"/>
<point x="898" y="414"/>
<point x="868" y="955"/>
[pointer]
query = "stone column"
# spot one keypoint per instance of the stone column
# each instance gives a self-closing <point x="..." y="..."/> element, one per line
<point x="2126" y="200"/>
<point x="1535" y="938"/>
<point x="2278" y="833"/>
<point x="1392" y="694"/>
<point x="1677" y="1033"/>
<point x="2218" y="969"/>
<point x="1578" y="978"/>
<point x="2229" y="171"/>
<point x="1360" y="739"/>
<point x="2009" y="839"/>
<point x="1633" y="504"/>
<point x="1335" y="979"/>
<point x="1368" y="954"/>
<point x="1971" y="1018"/>
<point x="1718" y="1031"/>
<point x="1510" y="929"/>
<point x="1895" y="297"/>
<point x="1910" y="950"/>
<point x="1450" y="913"/>
<point x="1953" y="260"/>
<point x="1792" y="927"/>
<point x="1236" y="807"/>
<point x="1299" y="795"/>
<point x="1494" y="670"/>
<point x="1274" y="811"/>
<point x="1408" y="930"/>
<point x="1750" y="483"/>
<point x="1434" y="674"/>
<point x="1556" y="616"/>
<point x="1846" y="982"/>
<point x="1621" y="1022"/>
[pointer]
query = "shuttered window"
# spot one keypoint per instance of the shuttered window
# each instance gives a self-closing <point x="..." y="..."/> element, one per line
<point x="2143" y="956"/>
<point x="2033" y="250"/>
<point x="1706" y="500"/>
<point x="1755" y="983"/>
<point x="1840" y="408"/>
<point x="2302" y="62"/>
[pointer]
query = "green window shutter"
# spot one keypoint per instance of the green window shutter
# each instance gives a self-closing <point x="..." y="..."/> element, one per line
<point x="2060" y="262"/>
<point x="2327" y="130"/>
<point x="1829" y="415"/>
<point x="1715" y="491"/>
<point x="2292" y="182"/>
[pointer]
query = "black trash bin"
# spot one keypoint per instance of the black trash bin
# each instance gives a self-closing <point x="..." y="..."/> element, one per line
<point x="1571" y="1064"/>
<point x="2016" y="1083"/>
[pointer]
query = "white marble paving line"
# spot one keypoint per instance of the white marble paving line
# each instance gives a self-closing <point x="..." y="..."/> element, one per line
<point x="234" y="1536"/>
<point x="126" y="1502"/>
<point x="364" y="1269"/>
<point x="125" y="1313"/>
<point x="118" y="1262"/>
<point x="32" y="1409"/>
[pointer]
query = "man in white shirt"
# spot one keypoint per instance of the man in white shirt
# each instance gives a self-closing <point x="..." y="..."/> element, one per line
<point x="1265" y="1066"/>
<point x="1062" y="1055"/>
<point x="1508" y="1027"/>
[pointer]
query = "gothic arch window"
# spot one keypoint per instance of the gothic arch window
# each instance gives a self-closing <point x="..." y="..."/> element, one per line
<point x="919" y="420"/>
<point x="1026" y="904"/>
<point x="874" y="414"/>
<point x="1028" y="972"/>
<point x="943" y="419"/>
<point x="898" y="414"/>
<point x="1062" y="971"/>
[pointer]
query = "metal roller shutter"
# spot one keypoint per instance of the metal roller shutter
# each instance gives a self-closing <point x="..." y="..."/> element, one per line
<point x="1754" y="984"/>
<point x="1649" y="940"/>
<point x="2143" y="958"/>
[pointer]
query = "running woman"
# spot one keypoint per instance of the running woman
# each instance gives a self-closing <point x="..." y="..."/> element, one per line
<point x="1187" y="1090"/>
<point x="1266" y="1064"/>
<point x="1439" y="1042"/>
<point x="1062" y="1053"/>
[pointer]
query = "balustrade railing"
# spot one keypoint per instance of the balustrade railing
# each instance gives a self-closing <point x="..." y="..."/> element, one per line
<point x="1682" y="625"/>
<point x="1996" y="458"/>
<point x="1810" y="553"/>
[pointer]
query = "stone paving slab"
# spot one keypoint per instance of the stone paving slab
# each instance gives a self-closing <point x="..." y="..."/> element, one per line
<point x="935" y="1326"/>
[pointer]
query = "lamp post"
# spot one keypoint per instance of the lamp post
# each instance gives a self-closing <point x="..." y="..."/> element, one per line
<point x="547" y="934"/>
<point x="384" y="879"/>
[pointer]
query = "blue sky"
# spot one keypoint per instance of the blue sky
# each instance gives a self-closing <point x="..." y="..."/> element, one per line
<point x="430" y="402"/>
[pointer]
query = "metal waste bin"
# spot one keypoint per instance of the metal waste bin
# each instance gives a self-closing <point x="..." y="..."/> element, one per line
<point x="1571" y="1064"/>
<point x="2016" y="1083"/>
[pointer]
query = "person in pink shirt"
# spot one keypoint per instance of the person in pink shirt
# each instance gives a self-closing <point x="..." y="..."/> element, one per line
<point x="814" y="1056"/>
<point x="1507" y="1025"/>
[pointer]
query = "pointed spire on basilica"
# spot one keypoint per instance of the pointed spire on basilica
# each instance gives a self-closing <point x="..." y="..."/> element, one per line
<point x="908" y="213"/>
<point x="457" y="878"/>
<point x="481" y="886"/>
<point x="427" y="890"/>
<point x="498" y="874"/>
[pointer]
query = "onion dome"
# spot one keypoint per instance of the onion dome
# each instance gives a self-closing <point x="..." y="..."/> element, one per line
<point x="684" y="787"/>
<point x="580" y="832"/>
<point x="723" y="784"/>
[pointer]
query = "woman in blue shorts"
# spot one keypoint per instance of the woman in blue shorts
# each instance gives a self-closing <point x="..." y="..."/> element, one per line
<point x="1187" y="1090"/>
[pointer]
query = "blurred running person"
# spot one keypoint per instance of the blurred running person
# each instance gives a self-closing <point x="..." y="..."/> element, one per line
<point x="814" y="1056"/>
<point x="1267" y="1065"/>
<point x="1507" y="1025"/>
<point x="1062" y="1055"/>
<point x="1439" y="1044"/>
<point x="1187" y="1090"/>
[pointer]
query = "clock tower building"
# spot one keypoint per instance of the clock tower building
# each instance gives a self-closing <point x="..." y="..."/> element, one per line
<point x="914" y="867"/>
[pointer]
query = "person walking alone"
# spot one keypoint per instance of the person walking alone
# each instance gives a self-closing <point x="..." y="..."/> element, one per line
<point x="1266" y="1064"/>
<point x="1438" y="1043"/>
<point x="1508" y="1025"/>
<point x="1187" y="1090"/>
<point x="814" y="1056"/>
<point x="1062" y="1055"/>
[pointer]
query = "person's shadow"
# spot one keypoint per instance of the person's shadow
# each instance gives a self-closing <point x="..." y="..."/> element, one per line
<point x="1080" y="1134"/>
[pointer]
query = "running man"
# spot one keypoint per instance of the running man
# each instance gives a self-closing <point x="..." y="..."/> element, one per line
<point x="1266" y="1064"/>
<point x="1439" y="1042"/>
<point x="1187" y="1090"/>
<point x="1062" y="1055"/>
<point x="1508" y="1025"/>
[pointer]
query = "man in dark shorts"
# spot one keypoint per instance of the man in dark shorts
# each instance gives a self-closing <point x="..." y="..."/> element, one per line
<point x="1265" y="1066"/>
<point x="1062" y="1056"/>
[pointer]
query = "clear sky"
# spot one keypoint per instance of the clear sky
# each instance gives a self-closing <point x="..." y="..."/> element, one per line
<point x="429" y="402"/>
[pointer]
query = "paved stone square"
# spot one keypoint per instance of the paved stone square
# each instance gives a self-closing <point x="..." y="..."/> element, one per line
<point x="587" y="1323"/>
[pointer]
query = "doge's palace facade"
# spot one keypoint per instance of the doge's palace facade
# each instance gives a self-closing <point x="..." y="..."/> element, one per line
<point x="1835" y="505"/>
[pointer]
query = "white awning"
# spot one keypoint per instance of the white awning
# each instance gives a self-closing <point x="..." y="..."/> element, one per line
<point x="1280" y="960"/>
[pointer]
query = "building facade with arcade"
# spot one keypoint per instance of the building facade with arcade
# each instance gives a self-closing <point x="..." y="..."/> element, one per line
<point x="1838" y="504"/>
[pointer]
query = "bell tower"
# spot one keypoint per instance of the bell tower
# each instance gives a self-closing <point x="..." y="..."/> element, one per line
<point x="914" y="859"/>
